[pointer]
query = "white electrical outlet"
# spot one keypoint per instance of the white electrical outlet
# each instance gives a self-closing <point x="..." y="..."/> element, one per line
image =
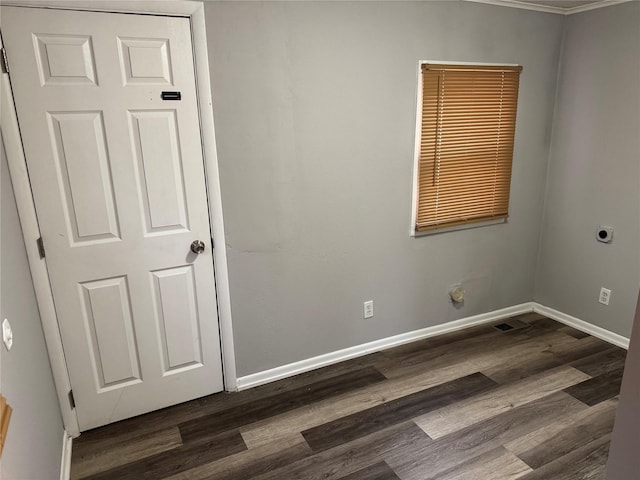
<point x="605" y="296"/>
<point x="368" y="309"/>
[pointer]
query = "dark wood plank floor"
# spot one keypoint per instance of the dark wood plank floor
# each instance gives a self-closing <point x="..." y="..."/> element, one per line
<point x="537" y="403"/>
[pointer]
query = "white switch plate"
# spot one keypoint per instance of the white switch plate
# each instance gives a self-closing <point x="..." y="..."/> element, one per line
<point x="7" y="334"/>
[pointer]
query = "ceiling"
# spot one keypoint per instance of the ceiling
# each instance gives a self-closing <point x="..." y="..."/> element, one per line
<point x="564" y="7"/>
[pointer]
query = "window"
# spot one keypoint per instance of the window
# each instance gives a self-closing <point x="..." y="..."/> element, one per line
<point x="467" y="118"/>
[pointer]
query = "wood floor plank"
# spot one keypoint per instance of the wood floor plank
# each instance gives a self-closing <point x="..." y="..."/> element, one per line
<point x="392" y="368"/>
<point x="575" y="333"/>
<point x="585" y="463"/>
<point x="337" y="462"/>
<point x="465" y="338"/>
<point x="378" y="471"/>
<point x="548" y="432"/>
<point x="287" y="424"/>
<point x="542" y="325"/>
<point x="597" y="389"/>
<point x="497" y="464"/>
<point x="607" y="361"/>
<point x="458" y="447"/>
<point x="447" y="353"/>
<point x="468" y="334"/>
<point x="179" y="459"/>
<point x="250" y="463"/>
<point x="582" y="348"/>
<point x="405" y="352"/>
<point x="90" y="461"/>
<point x="363" y="423"/>
<point x="484" y="352"/>
<point x="462" y="414"/>
<point x="597" y="423"/>
<point x="555" y="354"/>
<point x="523" y="367"/>
<point x="241" y="415"/>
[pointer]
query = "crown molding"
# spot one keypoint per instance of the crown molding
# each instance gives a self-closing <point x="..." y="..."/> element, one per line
<point x="549" y="8"/>
<point x="522" y="5"/>
<point x="593" y="6"/>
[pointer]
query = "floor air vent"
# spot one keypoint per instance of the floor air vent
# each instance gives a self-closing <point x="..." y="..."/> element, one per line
<point x="511" y="325"/>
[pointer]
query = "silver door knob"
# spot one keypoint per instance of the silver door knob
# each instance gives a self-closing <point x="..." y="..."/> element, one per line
<point x="197" y="246"/>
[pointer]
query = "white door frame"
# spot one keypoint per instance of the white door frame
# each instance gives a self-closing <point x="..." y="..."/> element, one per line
<point x="26" y="207"/>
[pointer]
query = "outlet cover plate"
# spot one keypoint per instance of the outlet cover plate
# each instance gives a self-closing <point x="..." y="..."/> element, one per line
<point x="605" y="296"/>
<point x="368" y="309"/>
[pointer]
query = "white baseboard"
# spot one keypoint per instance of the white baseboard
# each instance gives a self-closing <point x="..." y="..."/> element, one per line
<point x="313" y="363"/>
<point x="583" y="326"/>
<point x="65" y="462"/>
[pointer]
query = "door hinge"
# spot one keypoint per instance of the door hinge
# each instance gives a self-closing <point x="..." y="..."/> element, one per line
<point x="5" y="61"/>
<point x="212" y="243"/>
<point x="72" y="401"/>
<point x="40" y="244"/>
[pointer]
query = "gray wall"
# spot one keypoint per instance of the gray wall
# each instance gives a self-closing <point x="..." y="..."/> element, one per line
<point x="34" y="442"/>
<point x="624" y="461"/>
<point x="594" y="173"/>
<point x="315" y="117"/>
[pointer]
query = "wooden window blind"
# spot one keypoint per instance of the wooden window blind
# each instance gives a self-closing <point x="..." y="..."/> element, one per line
<point x="466" y="144"/>
<point x="5" y="417"/>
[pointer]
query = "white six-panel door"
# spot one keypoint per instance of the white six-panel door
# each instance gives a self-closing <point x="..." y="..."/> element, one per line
<point x="118" y="182"/>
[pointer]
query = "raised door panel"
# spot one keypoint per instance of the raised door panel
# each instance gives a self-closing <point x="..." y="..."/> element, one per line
<point x="145" y="61"/>
<point x="110" y="331"/>
<point x="65" y="59"/>
<point x="84" y="176"/>
<point x="178" y="319"/>
<point x="160" y="170"/>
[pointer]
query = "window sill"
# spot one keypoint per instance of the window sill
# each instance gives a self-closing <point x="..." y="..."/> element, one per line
<point x="436" y="231"/>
